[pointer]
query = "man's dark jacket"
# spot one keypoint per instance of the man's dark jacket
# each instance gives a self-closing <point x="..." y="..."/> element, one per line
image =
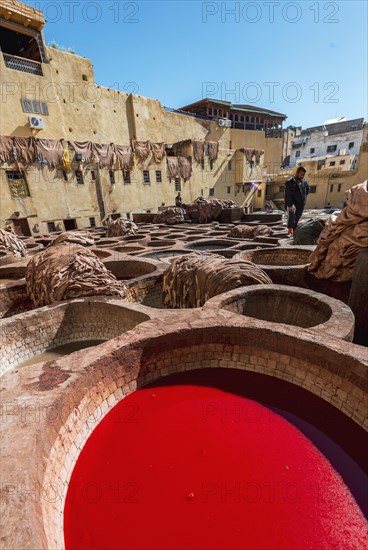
<point x="296" y="193"/>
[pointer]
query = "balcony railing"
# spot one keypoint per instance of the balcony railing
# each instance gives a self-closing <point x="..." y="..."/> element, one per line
<point x="22" y="64"/>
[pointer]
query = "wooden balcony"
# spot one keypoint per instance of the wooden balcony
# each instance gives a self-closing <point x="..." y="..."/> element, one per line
<point x="21" y="64"/>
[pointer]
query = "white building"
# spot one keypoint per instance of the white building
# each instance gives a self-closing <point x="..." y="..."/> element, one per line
<point x="341" y="138"/>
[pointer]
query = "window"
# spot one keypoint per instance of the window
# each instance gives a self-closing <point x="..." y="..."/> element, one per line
<point x="331" y="188"/>
<point x="18" y="184"/>
<point x="210" y="111"/>
<point x="92" y="222"/>
<point x="342" y="162"/>
<point x="312" y="188"/>
<point x="339" y="188"/>
<point x="212" y="191"/>
<point x="112" y="176"/>
<point x="146" y="176"/>
<point x="311" y="150"/>
<point x="331" y="148"/>
<point x="229" y="165"/>
<point x="26" y="105"/>
<point x="158" y="176"/>
<point x="93" y="175"/>
<point x="247" y="119"/>
<point x="177" y="184"/>
<point x="332" y="163"/>
<point x="259" y="193"/>
<point x="84" y="77"/>
<point x="236" y="118"/>
<point x="79" y="177"/>
<point x="65" y="176"/>
<point x="126" y="176"/>
<point x="228" y="189"/>
<point x="37" y="107"/>
<point x="241" y="119"/>
<point x="320" y="164"/>
<point x="51" y="227"/>
<point x="351" y="144"/>
<point x="44" y="108"/>
<point x="297" y="154"/>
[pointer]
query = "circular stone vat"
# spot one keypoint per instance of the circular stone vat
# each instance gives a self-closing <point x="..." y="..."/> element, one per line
<point x="284" y="265"/>
<point x="128" y="249"/>
<point x="290" y="306"/>
<point x="214" y="244"/>
<point x="108" y="242"/>
<point x="164" y="254"/>
<point x="250" y="463"/>
<point x="84" y="320"/>
<point x="278" y="257"/>
<point x="130" y="269"/>
<point x="102" y="254"/>
<point x="161" y="243"/>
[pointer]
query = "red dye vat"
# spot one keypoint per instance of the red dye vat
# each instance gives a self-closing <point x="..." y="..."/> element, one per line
<point x="196" y="468"/>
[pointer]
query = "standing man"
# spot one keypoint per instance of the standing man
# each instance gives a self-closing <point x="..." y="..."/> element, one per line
<point x="296" y="191"/>
<point x="178" y="201"/>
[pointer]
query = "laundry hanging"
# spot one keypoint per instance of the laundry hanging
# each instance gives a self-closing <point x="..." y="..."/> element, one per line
<point x="103" y="154"/>
<point x="24" y="150"/>
<point x="158" y="151"/>
<point x="124" y="154"/>
<point x="83" y="148"/>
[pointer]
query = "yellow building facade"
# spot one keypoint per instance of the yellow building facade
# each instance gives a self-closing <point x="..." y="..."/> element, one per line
<point x="59" y="89"/>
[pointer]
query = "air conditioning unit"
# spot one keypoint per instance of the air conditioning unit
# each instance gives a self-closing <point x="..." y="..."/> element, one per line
<point x="36" y="122"/>
<point x="224" y="122"/>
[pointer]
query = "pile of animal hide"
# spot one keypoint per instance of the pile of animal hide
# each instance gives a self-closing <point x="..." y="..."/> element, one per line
<point x="192" y="279"/>
<point x="343" y="238"/>
<point x="120" y="228"/>
<point x="250" y="231"/>
<point x="171" y="216"/>
<point x="208" y="209"/>
<point x="78" y="237"/>
<point x="12" y="244"/>
<point x="67" y="271"/>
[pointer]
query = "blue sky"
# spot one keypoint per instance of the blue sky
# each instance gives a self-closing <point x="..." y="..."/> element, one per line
<point x="306" y="59"/>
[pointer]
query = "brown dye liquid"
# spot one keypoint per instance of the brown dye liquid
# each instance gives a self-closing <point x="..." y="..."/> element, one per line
<point x="60" y="351"/>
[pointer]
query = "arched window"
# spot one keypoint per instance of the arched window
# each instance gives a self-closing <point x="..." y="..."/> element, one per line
<point x="247" y="119"/>
<point x="215" y="112"/>
<point x="210" y="111"/>
<point x="252" y="119"/>
<point x="236" y="118"/>
<point x="257" y="119"/>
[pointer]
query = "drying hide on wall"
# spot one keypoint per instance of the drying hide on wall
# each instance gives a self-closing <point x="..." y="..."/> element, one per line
<point x="50" y="150"/>
<point x="141" y="150"/>
<point x="185" y="167"/>
<point x="24" y="150"/>
<point x="173" y="167"/>
<point x="103" y="154"/>
<point x="83" y="148"/>
<point x="6" y="149"/>
<point x="158" y="151"/>
<point x="68" y="271"/>
<point x="198" y="150"/>
<point x="124" y="155"/>
<point x="212" y="150"/>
